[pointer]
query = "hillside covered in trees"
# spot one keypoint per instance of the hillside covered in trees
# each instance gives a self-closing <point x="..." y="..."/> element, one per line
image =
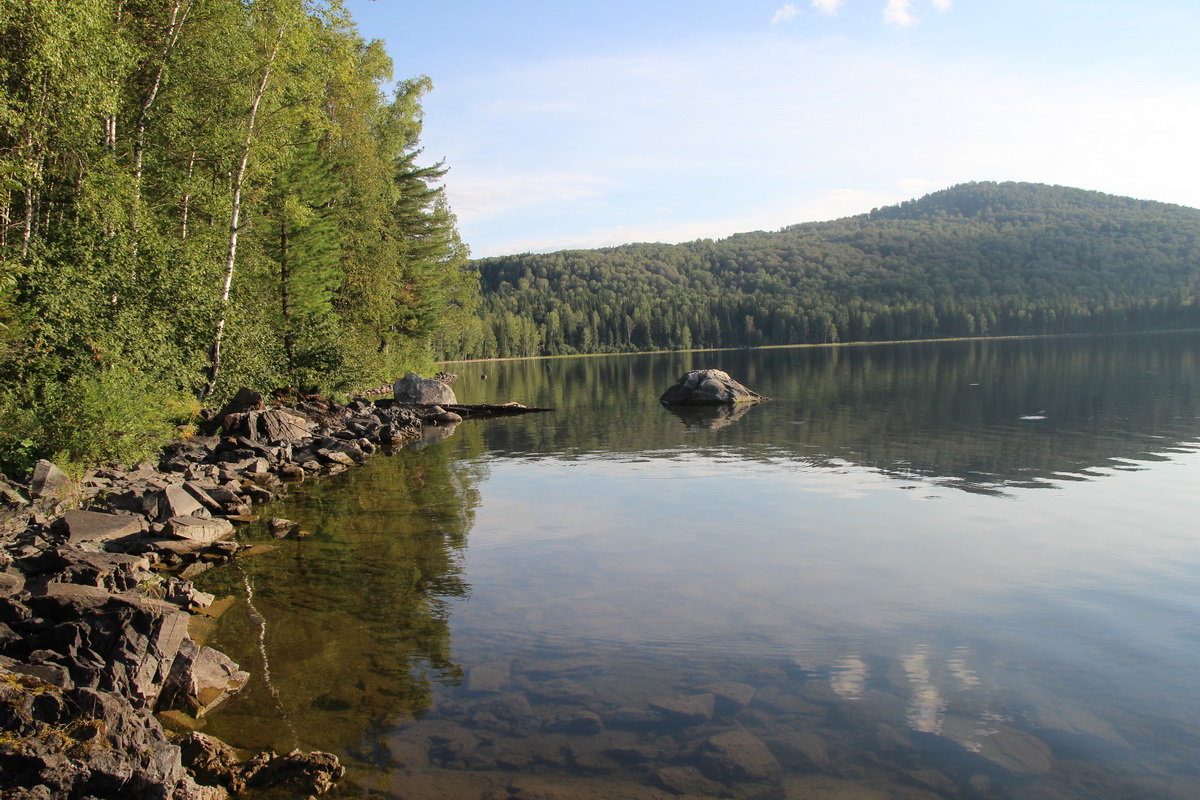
<point x="199" y="194"/>
<point x="974" y="260"/>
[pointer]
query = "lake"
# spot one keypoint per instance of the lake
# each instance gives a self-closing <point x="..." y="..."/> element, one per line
<point x="932" y="570"/>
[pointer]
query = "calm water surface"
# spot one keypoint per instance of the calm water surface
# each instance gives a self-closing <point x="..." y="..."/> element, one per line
<point x="958" y="570"/>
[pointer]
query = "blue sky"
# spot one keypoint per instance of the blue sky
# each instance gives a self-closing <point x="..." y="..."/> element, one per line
<point x="585" y="124"/>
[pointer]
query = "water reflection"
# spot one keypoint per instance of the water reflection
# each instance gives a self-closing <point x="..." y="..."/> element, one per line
<point x="354" y="619"/>
<point x="978" y="416"/>
<point x="711" y="417"/>
<point x="766" y="605"/>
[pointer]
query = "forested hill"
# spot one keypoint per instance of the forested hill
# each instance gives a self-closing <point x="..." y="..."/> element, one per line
<point x="973" y="260"/>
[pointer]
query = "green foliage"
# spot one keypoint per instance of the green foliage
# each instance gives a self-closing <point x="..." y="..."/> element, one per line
<point x="151" y="150"/>
<point x="975" y="260"/>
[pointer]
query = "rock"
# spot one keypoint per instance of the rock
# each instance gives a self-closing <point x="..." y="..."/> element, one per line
<point x="94" y="526"/>
<point x="280" y="527"/>
<point x="1014" y="750"/>
<point x="243" y="401"/>
<point x="446" y="418"/>
<point x="490" y="677"/>
<point x="113" y="572"/>
<point x="213" y="762"/>
<point x="335" y="457"/>
<point x="200" y="679"/>
<point x="805" y="752"/>
<point x="307" y="773"/>
<point x="576" y="721"/>
<point x="183" y="594"/>
<point x="686" y="781"/>
<point x="177" y="501"/>
<point x="278" y="425"/>
<point x="634" y="718"/>
<point x="290" y="472"/>
<point x="83" y="743"/>
<point x="202" y="496"/>
<point x="708" y="387"/>
<point x="688" y="709"/>
<point x="730" y="697"/>
<point x="562" y="690"/>
<point x="412" y="388"/>
<point x="118" y="643"/>
<point x="11" y="583"/>
<point x="48" y="480"/>
<point x="198" y="529"/>
<point x="11" y="495"/>
<point x="409" y="749"/>
<point x="736" y="756"/>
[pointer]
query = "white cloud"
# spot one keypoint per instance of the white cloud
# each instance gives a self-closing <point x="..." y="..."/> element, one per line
<point x="943" y="5"/>
<point x="787" y="12"/>
<point x="633" y="147"/>
<point x="827" y="7"/>
<point x="899" y="12"/>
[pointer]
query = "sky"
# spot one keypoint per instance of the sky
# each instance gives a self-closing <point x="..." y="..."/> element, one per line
<point x="588" y="124"/>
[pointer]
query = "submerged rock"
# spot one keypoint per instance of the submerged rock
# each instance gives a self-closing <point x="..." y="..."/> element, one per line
<point x="708" y="387"/>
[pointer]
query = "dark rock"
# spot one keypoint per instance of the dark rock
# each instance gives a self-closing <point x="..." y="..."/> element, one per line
<point x="11" y="583"/>
<point x="412" y="388"/>
<point x="10" y="494"/>
<point x="48" y="480"/>
<point x="291" y="472"/>
<point x="94" y="526"/>
<point x="117" y="643"/>
<point x="213" y="762"/>
<point x="113" y="572"/>
<point x="409" y="749"/>
<point x="80" y="743"/>
<point x="736" y="756"/>
<point x="280" y="527"/>
<point x="200" y="679"/>
<point x="258" y="494"/>
<point x="708" y="387"/>
<point x="244" y="400"/>
<point x="279" y="425"/>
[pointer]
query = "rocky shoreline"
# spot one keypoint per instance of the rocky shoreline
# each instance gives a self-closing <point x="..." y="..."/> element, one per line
<point x="96" y="601"/>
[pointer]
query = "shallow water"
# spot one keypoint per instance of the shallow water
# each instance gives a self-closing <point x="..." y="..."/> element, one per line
<point x="927" y="570"/>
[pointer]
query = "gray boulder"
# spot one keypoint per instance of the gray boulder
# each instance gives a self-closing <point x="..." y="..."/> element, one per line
<point x="412" y="388"/>
<point x="708" y="387"/>
<point x="48" y="480"/>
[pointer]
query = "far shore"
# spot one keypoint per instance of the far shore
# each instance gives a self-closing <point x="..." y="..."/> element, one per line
<point x="863" y="343"/>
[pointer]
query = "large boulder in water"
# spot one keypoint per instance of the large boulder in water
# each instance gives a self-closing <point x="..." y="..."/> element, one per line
<point x="412" y="388"/>
<point x="708" y="387"/>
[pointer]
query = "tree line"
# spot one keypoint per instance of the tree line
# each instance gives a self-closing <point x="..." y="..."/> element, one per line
<point x="978" y="259"/>
<point x="199" y="194"/>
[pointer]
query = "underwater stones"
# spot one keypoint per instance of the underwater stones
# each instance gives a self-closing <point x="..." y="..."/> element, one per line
<point x="490" y="677"/>
<point x="708" y="387"/>
<point x="1017" y="752"/>
<point x="730" y="697"/>
<point x="687" y="709"/>
<point x="737" y="755"/>
<point x="686" y="781"/>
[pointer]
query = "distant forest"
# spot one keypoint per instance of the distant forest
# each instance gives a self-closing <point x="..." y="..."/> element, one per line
<point x="977" y="259"/>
